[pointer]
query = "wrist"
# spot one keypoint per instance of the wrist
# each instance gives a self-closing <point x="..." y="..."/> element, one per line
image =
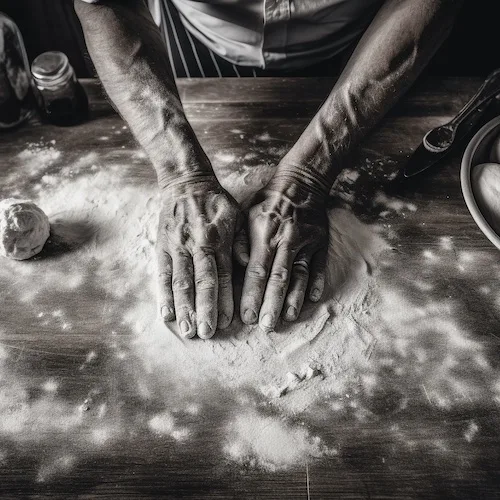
<point x="177" y="156"/>
<point x="317" y="151"/>
<point x="186" y="177"/>
<point x="300" y="181"/>
<point x="187" y="163"/>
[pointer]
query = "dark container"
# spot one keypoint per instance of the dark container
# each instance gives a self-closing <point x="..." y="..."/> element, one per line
<point x="62" y="98"/>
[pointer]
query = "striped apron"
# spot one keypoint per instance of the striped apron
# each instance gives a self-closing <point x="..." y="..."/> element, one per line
<point x="192" y="59"/>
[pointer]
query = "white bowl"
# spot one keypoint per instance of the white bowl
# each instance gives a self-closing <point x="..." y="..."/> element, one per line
<point x="477" y="152"/>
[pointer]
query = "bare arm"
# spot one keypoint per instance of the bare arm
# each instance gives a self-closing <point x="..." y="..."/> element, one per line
<point x="198" y="218"/>
<point x="287" y="226"/>
<point x="396" y="47"/>
<point x="132" y="63"/>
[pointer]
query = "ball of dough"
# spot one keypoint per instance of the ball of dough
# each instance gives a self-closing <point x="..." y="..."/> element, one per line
<point x="485" y="180"/>
<point x="24" y="229"/>
<point x="495" y="151"/>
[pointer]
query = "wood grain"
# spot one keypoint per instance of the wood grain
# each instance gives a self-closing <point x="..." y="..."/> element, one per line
<point x="408" y="443"/>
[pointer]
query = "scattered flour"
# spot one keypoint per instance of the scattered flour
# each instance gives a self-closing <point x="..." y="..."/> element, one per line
<point x="271" y="443"/>
<point x="429" y="255"/>
<point x="265" y="137"/>
<point x="396" y="204"/>
<point x="359" y="351"/>
<point x="38" y="156"/>
<point x="446" y="242"/>
<point x="471" y="431"/>
<point x="164" y="424"/>
<point x="50" y="386"/>
<point x="58" y="467"/>
<point x="225" y="157"/>
<point x="25" y="419"/>
<point x="31" y="163"/>
<point x="243" y="181"/>
<point x="347" y="176"/>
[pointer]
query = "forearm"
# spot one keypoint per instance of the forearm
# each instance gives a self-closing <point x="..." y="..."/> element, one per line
<point x="133" y="66"/>
<point x="398" y="44"/>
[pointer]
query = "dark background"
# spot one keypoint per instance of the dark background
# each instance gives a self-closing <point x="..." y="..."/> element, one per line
<point x="472" y="49"/>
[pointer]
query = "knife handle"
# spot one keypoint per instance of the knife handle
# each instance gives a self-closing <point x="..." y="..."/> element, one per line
<point x="489" y="88"/>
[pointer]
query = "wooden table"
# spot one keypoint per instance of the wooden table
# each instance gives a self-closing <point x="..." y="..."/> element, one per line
<point x="84" y="413"/>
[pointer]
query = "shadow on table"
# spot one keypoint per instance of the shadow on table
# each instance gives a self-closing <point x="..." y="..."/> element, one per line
<point x="65" y="237"/>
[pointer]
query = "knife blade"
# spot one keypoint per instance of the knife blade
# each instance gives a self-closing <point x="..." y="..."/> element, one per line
<point x="422" y="159"/>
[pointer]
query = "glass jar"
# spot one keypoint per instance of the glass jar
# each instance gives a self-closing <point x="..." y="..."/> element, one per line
<point x="62" y="98"/>
<point x="17" y="101"/>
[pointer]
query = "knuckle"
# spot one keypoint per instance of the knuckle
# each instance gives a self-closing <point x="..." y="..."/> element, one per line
<point x="185" y="311"/>
<point x="240" y="245"/>
<point x="254" y="211"/>
<point x="165" y="274"/>
<point x="181" y="283"/>
<point x="165" y="268"/>
<point x="257" y="271"/>
<point x="301" y="270"/>
<point x="240" y="238"/>
<point x="205" y="285"/>
<point x="204" y="255"/>
<point x="165" y="280"/>
<point x="279" y="275"/>
<point x="225" y="280"/>
<point x="205" y="280"/>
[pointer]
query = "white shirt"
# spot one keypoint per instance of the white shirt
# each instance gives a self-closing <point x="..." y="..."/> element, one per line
<point x="274" y="34"/>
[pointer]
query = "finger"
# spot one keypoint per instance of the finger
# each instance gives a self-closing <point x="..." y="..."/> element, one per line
<point x="318" y="274"/>
<point x="165" y="294"/>
<point x="241" y="247"/>
<point x="297" y="288"/>
<point x="183" y="288"/>
<point x="225" y="302"/>
<point x="276" y="288"/>
<point x="206" y="286"/>
<point x="254" y="285"/>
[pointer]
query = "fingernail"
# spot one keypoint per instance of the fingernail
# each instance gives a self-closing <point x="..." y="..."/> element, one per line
<point x="222" y="321"/>
<point x="185" y="327"/>
<point x="249" y="316"/>
<point x="316" y="294"/>
<point x="291" y="312"/>
<point x="204" y="331"/>
<point x="245" y="258"/>
<point x="267" y="320"/>
<point x="167" y="313"/>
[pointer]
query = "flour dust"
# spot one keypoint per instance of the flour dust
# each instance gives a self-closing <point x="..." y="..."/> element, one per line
<point x="375" y="334"/>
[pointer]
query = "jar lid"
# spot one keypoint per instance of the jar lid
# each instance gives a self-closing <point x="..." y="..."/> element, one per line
<point x="50" y="67"/>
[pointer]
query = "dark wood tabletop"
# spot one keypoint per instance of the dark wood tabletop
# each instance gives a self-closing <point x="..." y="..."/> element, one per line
<point x="88" y="409"/>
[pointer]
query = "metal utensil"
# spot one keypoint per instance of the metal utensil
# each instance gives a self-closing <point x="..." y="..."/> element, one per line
<point x="422" y="158"/>
<point x="441" y="138"/>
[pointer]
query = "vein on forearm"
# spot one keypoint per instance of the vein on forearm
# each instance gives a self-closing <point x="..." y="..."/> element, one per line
<point x="398" y="44"/>
<point x="133" y="66"/>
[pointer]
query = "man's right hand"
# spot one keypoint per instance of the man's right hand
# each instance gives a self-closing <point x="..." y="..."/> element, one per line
<point x="197" y="226"/>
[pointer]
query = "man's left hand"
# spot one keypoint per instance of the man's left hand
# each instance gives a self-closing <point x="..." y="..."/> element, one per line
<point x="288" y="235"/>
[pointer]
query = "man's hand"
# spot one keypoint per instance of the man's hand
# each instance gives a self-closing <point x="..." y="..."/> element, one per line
<point x="288" y="233"/>
<point x="198" y="221"/>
